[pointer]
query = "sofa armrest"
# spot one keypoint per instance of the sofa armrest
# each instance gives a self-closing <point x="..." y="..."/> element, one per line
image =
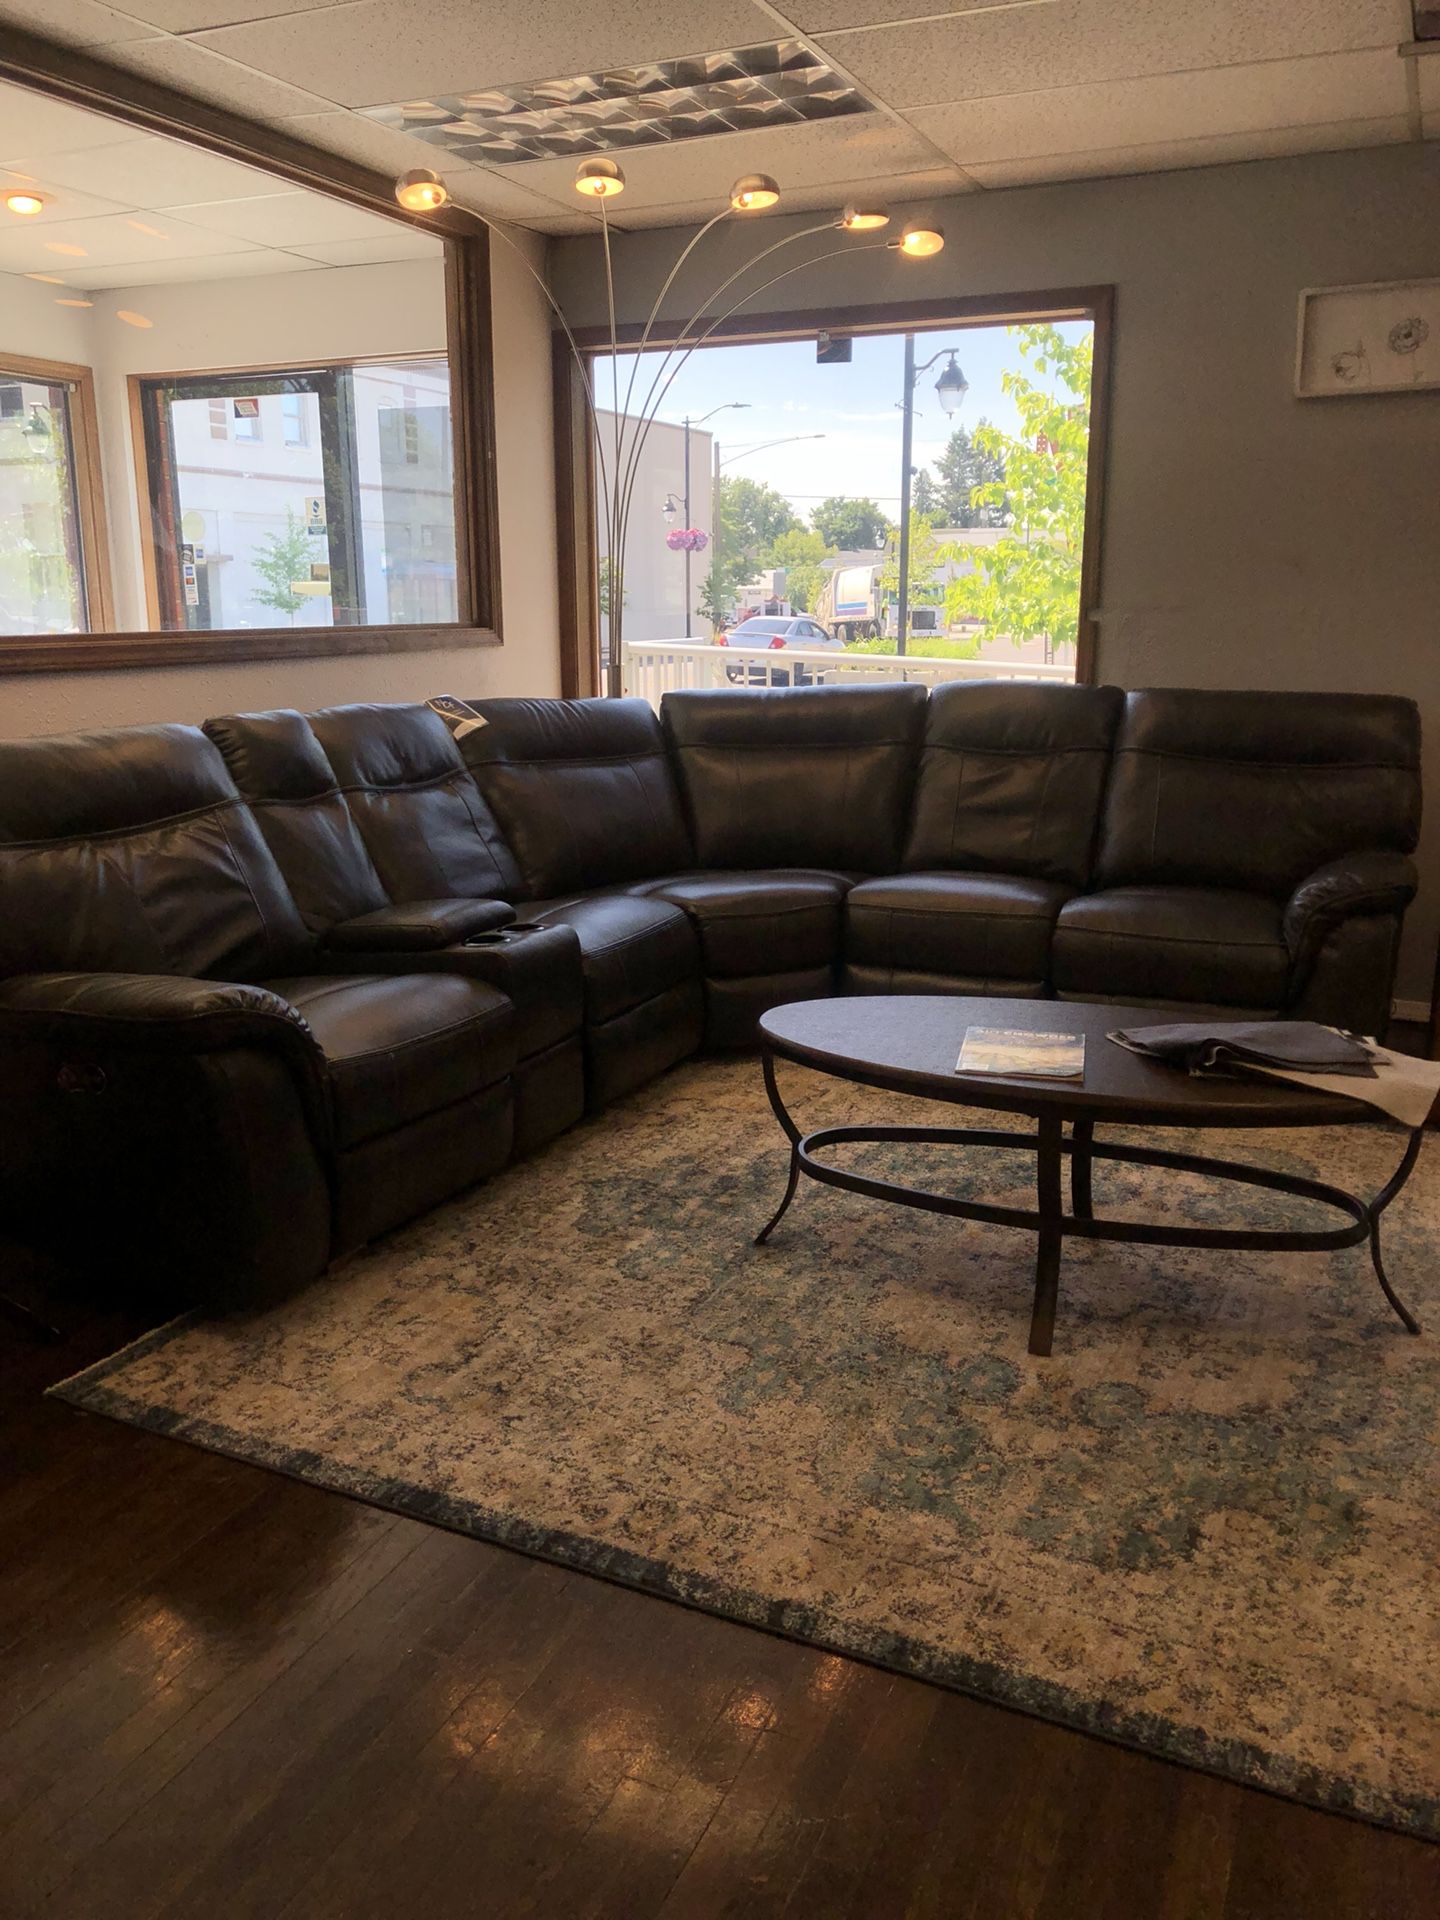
<point x="1359" y="884"/>
<point x="175" y="1131"/>
<point x="417" y="926"/>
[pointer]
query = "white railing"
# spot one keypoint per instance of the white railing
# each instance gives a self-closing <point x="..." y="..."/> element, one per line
<point x="653" y="667"/>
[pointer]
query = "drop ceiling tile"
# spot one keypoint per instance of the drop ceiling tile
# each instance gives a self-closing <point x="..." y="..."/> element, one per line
<point x="154" y="172"/>
<point x="106" y="242"/>
<point x="210" y="266"/>
<point x="499" y="197"/>
<point x="387" y="52"/>
<point x="1082" y="42"/>
<point x="33" y="125"/>
<point x="61" y="203"/>
<point x="831" y="16"/>
<point x="699" y="173"/>
<point x="1166" y="156"/>
<point x="195" y="16"/>
<point x="75" y="23"/>
<point x="381" y="252"/>
<point x="891" y="191"/>
<point x="290" y="219"/>
<point x="1168" y="108"/>
<point x="191" y="68"/>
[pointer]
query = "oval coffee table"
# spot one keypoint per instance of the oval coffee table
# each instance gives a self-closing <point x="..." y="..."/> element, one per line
<point x="909" y="1043"/>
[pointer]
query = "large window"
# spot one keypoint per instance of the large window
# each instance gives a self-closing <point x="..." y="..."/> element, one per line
<point x="318" y="496"/>
<point x="51" y="565"/>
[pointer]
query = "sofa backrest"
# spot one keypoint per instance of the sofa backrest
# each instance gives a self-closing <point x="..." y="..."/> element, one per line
<point x="582" y="788"/>
<point x="428" y="831"/>
<point x="130" y="851"/>
<point x="797" y="777"/>
<point x="1011" y="778"/>
<point x="282" y="771"/>
<point x="1256" y="790"/>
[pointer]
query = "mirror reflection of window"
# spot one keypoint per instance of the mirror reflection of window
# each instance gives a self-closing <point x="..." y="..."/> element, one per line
<point x="290" y="470"/>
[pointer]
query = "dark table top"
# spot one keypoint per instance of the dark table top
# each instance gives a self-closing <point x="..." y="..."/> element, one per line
<point x="910" y="1043"/>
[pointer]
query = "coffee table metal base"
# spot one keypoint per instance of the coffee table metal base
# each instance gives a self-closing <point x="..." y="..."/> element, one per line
<point x="1052" y="1225"/>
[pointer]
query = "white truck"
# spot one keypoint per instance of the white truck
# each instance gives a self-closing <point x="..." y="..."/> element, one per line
<point x="854" y="606"/>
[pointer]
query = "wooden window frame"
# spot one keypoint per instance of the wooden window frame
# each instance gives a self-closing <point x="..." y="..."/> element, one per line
<point x="575" y="453"/>
<point x="92" y="525"/>
<point x="63" y="73"/>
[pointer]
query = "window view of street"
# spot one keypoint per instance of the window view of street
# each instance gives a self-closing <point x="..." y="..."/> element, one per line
<point x="42" y="584"/>
<point x="775" y="509"/>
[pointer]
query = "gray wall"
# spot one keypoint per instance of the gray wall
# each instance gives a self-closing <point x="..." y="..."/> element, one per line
<point x="1251" y="539"/>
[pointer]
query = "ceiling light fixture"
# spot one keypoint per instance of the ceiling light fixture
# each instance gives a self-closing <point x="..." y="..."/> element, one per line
<point x="599" y="179"/>
<point x="25" y="204"/>
<point x="918" y="243"/>
<point x="421" y="191"/>
<point x="863" y="219"/>
<point x="752" y="192"/>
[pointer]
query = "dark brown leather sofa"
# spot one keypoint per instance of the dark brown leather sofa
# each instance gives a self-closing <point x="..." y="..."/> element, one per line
<point x="270" y="988"/>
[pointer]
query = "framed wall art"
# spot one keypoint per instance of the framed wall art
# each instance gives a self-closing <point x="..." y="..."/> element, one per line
<point x="1377" y="339"/>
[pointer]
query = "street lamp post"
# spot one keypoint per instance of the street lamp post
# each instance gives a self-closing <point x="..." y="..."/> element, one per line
<point x="699" y="420"/>
<point x="951" y="387"/>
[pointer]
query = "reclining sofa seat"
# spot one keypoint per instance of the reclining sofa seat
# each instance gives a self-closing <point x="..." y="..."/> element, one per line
<point x="395" y="861"/>
<point x="1254" y="853"/>
<point x="791" y="798"/>
<point x="193" y="1093"/>
<point x="585" y="797"/>
<point x="1001" y="835"/>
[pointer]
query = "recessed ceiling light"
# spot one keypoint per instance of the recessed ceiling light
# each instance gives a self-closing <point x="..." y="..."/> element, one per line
<point x="25" y="203"/>
<point x="132" y="319"/>
<point x="64" y="246"/>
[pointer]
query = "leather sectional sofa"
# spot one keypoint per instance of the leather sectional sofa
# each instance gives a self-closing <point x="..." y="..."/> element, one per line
<point x="270" y="987"/>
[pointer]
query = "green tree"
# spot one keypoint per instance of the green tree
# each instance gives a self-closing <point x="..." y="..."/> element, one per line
<point x="800" y="555"/>
<point x="851" y="525"/>
<point x="969" y="462"/>
<point x="925" y="498"/>
<point x="926" y="554"/>
<point x="752" y="517"/>
<point x="1027" y="586"/>
<point x="281" y="558"/>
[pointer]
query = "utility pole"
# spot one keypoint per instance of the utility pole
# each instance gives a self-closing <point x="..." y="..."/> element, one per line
<point x="687" y="524"/>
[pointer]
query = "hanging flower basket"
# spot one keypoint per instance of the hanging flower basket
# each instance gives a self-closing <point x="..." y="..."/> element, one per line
<point x="687" y="540"/>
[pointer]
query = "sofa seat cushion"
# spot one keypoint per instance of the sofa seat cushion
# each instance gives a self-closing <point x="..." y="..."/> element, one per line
<point x="971" y="926"/>
<point x="1173" y="943"/>
<point x="631" y="948"/>
<point x="400" y="1046"/>
<point x="780" y="921"/>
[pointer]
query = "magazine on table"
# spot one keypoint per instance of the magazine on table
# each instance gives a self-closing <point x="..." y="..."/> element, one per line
<point x="1018" y="1054"/>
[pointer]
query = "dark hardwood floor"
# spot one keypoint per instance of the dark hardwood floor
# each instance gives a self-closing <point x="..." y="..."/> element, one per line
<point x="226" y="1694"/>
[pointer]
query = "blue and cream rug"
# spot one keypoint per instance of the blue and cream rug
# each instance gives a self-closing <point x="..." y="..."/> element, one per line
<point x="1207" y="1527"/>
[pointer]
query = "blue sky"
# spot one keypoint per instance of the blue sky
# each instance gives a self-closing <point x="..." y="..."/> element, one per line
<point x="855" y="407"/>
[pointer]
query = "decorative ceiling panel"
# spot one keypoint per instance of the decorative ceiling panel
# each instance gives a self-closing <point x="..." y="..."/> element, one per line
<point x="779" y="83"/>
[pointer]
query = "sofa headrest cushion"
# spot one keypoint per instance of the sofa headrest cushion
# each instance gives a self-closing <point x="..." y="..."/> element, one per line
<point x="72" y="785"/>
<point x="386" y="746"/>
<point x="1020" y="716"/>
<point x="273" y="756"/>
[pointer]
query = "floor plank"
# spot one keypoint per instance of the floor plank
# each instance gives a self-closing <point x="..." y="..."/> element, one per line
<point x="228" y="1695"/>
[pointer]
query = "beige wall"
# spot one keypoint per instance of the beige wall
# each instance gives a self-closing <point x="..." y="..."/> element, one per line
<point x="1251" y="539"/>
<point x="338" y="312"/>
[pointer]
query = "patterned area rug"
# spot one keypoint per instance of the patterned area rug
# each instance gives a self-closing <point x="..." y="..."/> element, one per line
<point x="1207" y="1527"/>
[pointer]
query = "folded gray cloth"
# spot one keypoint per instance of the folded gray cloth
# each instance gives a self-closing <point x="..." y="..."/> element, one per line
<point x="1220" y="1046"/>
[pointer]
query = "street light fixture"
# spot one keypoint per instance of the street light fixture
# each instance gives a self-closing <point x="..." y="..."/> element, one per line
<point x="951" y="389"/>
<point x="670" y="509"/>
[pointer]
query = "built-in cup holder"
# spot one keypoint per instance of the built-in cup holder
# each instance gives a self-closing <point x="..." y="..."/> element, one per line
<point x="497" y="936"/>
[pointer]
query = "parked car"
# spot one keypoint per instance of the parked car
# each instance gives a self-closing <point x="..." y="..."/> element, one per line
<point x="773" y="633"/>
